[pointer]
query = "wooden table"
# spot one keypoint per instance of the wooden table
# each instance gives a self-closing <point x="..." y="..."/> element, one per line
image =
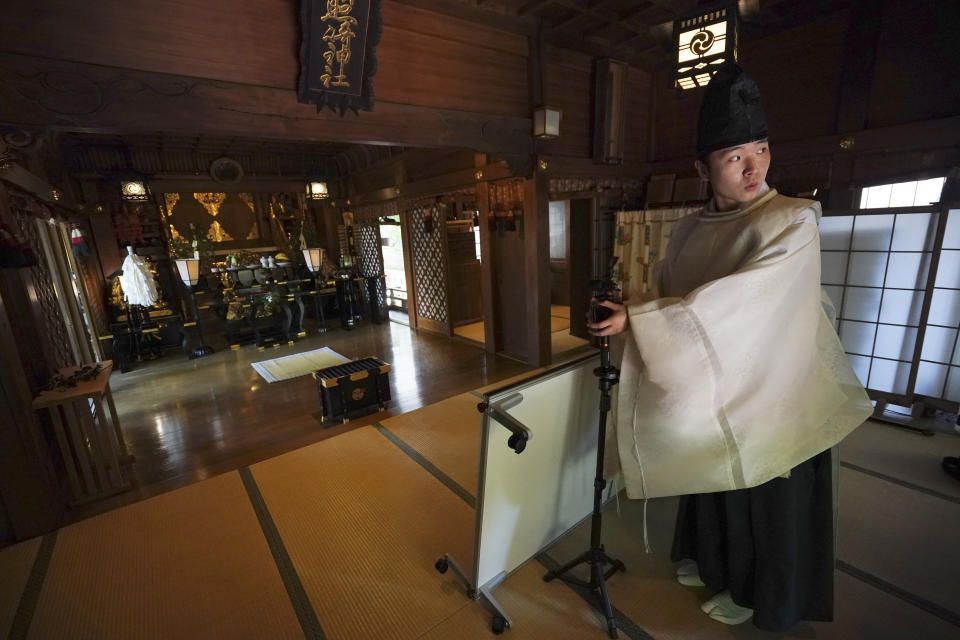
<point x="93" y="456"/>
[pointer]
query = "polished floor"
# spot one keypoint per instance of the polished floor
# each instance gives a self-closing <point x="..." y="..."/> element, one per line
<point x="186" y="420"/>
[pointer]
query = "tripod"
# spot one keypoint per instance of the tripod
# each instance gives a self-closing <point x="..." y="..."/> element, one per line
<point x="607" y="375"/>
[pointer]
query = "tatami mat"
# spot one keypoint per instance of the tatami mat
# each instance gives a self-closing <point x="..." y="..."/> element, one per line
<point x="474" y="331"/>
<point x="906" y="455"/>
<point x="15" y="565"/>
<point x="560" y="311"/>
<point x="539" y="611"/>
<point x="901" y="536"/>
<point x="447" y="433"/>
<point x="561" y="342"/>
<point x="649" y="594"/>
<point x="559" y="324"/>
<point x="509" y="381"/>
<point x="192" y="563"/>
<point x="363" y="525"/>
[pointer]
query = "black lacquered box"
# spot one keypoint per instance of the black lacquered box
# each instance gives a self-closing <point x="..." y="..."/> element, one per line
<point x="359" y="386"/>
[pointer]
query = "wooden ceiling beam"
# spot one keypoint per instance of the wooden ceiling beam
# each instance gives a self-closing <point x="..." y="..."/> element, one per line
<point x="530" y="7"/>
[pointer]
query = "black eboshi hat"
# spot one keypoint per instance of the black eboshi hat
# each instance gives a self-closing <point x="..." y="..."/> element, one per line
<point x="731" y="113"/>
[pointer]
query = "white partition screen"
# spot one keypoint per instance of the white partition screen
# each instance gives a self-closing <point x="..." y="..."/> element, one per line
<point x="527" y="500"/>
<point x="876" y="268"/>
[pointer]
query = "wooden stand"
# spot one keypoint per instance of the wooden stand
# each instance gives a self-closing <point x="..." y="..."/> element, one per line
<point x="93" y="457"/>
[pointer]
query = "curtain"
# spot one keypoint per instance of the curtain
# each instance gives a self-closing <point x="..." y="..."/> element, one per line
<point x="640" y="242"/>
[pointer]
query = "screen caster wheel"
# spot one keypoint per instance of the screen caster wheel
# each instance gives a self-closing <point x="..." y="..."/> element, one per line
<point x="441" y="565"/>
<point x="498" y="625"/>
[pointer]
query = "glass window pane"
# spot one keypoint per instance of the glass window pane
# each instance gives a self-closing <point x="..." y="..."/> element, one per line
<point x="908" y="270"/>
<point x="953" y="385"/>
<point x="928" y="191"/>
<point x="861" y="304"/>
<point x="866" y="269"/>
<point x="861" y="367"/>
<point x="915" y="231"/>
<point x="903" y="194"/>
<point x="938" y="344"/>
<point x="888" y="375"/>
<point x="558" y="233"/>
<point x="930" y="378"/>
<point x="948" y="271"/>
<point x="833" y="267"/>
<point x="835" y="232"/>
<point x="872" y="233"/>
<point x="857" y="337"/>
<point x="945" y="307"/>
<point x="878" y="196"/>
<point x="951" y="237"/>
<point x="895" y="342"/>
<point x="901" y="307"/>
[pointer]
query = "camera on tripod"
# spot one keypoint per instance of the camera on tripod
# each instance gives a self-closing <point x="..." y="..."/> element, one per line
<point x="600" y="290"/>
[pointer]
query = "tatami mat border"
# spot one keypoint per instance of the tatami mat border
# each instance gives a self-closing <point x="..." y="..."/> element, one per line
<point x="921" y="603"/>
<point x="31" y="591"/>
<point x="902" y="483"/>
<point x="295" y="591"/>
<point x="449" y="482"/>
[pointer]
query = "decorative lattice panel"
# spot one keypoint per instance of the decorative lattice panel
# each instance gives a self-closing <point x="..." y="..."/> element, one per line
<point x="52" y="326"/>
<point x="372" y="213"/>
<point x="366" y="238"/>
<point x="429" y="268"/>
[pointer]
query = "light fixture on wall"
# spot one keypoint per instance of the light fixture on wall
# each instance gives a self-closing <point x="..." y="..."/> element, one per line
<point x="702" y="42"/>
<point x="546" y="123"/>
<point x="189" y="270"/>
<point x="134" y="190"/>
<point x="317" y="190"/>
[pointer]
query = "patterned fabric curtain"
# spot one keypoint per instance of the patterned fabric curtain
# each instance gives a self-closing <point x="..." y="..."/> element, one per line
<point x="641" y="241"/>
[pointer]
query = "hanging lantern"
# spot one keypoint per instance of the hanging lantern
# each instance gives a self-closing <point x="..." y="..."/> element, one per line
<point x="134" y="191"/>
<point x="546" y="122"/>
<point x="703" y="42"/>
<point x="317" y="191"/>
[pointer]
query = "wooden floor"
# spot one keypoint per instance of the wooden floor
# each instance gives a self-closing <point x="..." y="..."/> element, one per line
<point x="187" y="420"/>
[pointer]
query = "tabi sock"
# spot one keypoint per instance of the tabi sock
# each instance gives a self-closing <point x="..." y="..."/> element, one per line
<point x="722" y="608"/>
<point x="688" y="574"/>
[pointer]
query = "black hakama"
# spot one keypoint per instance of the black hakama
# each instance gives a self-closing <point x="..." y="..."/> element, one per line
<point x="771" y="546"/>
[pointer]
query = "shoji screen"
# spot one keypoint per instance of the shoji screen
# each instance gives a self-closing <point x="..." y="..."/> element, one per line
<point x="875" y="268"/>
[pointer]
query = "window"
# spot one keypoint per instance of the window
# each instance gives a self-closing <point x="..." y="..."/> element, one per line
<point x="875" y="267"/>
<point x="558" y="229"/>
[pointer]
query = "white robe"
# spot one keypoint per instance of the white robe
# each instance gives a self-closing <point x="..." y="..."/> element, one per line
<point x="735" y="375"/>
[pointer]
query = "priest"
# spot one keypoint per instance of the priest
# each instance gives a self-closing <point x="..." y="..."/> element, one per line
<point x="734" y="384"/>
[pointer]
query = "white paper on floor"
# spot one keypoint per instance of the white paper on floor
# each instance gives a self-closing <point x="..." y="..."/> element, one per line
<point x="299" y="364"/>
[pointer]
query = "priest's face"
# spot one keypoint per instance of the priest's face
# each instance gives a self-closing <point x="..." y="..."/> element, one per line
<point x="736" y="173"/>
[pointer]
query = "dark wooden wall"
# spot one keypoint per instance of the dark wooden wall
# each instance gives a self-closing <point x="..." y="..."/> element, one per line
<point x="878" y="76"/>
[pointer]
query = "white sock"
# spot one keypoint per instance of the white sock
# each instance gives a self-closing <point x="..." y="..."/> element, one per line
<point x="688" y="574"/>
<point x="722" y="608"/>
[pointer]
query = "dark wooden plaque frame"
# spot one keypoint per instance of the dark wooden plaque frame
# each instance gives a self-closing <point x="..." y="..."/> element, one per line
<point x="359" y="71"/>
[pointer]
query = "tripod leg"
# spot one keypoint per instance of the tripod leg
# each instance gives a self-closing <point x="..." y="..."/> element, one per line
<point x="553" y="573"/>
<point x="604" y="599"/>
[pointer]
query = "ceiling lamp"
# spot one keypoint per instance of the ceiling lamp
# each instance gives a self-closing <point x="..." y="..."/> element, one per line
<point x="546" y="123"/>
<point x="702" y="43"/>
<point x="317" y="191"/>
<point x="134" y="191"/>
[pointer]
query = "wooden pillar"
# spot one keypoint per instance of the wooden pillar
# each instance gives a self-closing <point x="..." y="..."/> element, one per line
<point x="492" y="339"/>
<point x="536" y="245"/>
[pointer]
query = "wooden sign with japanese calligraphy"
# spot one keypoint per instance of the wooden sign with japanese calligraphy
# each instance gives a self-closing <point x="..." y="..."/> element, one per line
<point x="337" y="53"/>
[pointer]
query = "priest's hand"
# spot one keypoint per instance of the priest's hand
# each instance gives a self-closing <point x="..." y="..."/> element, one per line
<point x="616" y="323"/>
